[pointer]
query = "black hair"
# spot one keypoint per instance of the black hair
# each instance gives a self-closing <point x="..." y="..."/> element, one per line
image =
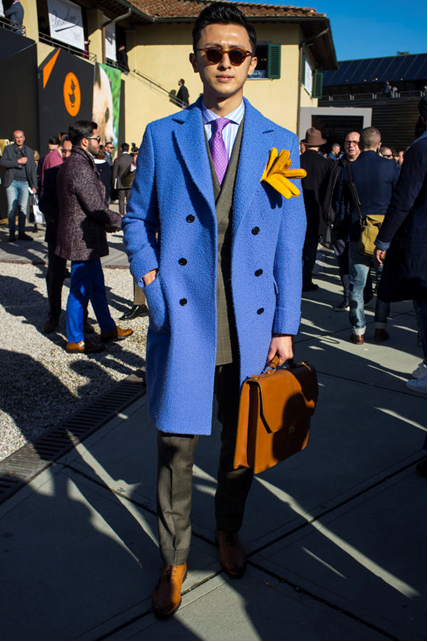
<point x="124" y="147"/>
<point x="225" y="14"/>
<point x="53" y="140"/>
<point x="64" y="138"/>
<point x="81" y="129"/>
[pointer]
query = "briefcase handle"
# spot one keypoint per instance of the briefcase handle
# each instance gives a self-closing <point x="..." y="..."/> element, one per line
<point x="273" y="365"/>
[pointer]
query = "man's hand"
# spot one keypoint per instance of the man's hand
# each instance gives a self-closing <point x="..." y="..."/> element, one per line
<point x="150" y="277"/>
<point x="379" y="256"/>
<point x="281" y="344"/>
<point x="34" y="190"/>
<point x="23" y="160"/>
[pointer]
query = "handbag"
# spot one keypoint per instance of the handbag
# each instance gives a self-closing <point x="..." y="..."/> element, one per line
<point x="275" y="409"/>
<point x="369" y="226"/>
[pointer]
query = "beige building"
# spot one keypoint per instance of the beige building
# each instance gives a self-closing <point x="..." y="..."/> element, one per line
<point x="293" y="44"/>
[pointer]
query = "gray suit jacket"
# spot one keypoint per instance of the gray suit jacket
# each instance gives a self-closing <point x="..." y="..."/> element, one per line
<point x="9" y="160"/>
<point x="119" y="166"/>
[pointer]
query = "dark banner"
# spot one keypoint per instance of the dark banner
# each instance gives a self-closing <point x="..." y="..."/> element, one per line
<point x="65" y="93"/>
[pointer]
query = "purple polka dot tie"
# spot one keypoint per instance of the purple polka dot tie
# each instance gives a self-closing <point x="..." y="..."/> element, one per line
<point x="218" y="148"/>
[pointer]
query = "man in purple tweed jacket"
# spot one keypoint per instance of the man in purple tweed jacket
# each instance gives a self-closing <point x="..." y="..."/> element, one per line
<point x="84" y="219"/>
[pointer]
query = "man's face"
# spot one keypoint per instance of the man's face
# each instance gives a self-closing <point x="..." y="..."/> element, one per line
<point x="66" y="149"/>
<point x="18" y="137"/>
<point x="387" y="153"/>
<point x="400" y="157"/>
<point x="93" y="142"/>
<point x="352" y="146"/>
<point x="223" y="80"/>
<point x="109" y="148"/>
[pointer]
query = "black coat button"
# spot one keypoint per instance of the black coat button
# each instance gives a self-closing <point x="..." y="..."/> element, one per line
<point x="183" y="261"/>
<point x="258" y="272"/>
<point x="260" y="311"/>
<point x="190" y="218"/>
<point x="255" y="231"/>
<point x="183" y="301"/>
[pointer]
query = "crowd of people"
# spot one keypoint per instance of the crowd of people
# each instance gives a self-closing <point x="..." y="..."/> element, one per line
<point x="345" y="192"/>
<point x="216" y="234"/>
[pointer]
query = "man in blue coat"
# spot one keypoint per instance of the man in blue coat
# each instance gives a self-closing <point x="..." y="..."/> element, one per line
<point x="375" y="178"/>
<point x="218" y="254"/>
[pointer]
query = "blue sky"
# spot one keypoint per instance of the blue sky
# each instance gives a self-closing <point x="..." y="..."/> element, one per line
<point x="372" y="28"/>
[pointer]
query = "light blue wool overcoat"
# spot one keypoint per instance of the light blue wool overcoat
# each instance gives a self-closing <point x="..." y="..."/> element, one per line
<point x="171" y="224"/>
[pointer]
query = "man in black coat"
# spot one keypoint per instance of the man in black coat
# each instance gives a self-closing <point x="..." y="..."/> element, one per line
<point x="317" y="196"/>
<point x="404" y="235"/>
<point x="183" y="93"/>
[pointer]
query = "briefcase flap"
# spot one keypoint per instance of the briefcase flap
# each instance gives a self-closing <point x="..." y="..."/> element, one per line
<point x="286" y="397"/>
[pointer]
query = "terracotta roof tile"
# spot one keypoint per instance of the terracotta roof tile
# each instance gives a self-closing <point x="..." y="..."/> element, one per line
<point x="165" y="9"/>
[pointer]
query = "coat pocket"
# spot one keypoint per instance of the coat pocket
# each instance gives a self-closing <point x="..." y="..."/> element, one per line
<point x="157" y="306"/>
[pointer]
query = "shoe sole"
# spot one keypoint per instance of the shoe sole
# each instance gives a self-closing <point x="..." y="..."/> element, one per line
<point x="72" y="351"/>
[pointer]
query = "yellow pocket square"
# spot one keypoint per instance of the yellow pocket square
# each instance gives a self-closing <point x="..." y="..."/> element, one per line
<point x="277" y="172"/>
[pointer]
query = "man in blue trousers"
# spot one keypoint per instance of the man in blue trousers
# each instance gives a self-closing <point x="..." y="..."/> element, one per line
<point x="218" y="253"/>
<point x="84" y="218"/>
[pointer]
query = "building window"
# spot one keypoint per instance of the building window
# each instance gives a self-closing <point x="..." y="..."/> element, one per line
<point x="268" y="61"/>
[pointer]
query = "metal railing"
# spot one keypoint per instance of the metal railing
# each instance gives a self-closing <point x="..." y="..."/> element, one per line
<point x="116" y="65"/>
<point x="74" y="50"/>
<point x="5" y="23"/>
<point x="155" y="86"/>
<point x="372" y="96"/>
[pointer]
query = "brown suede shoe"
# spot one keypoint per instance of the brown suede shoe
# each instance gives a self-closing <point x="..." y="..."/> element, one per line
<point x="232" y="556"/>
<point x="166" y="597"/>
<point x="117" y="334"/>
<point x="85" y="347"/>
<point x="358" y="339"/>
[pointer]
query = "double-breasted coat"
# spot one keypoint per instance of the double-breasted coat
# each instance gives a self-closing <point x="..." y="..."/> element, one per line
<point x="171" y="225"/>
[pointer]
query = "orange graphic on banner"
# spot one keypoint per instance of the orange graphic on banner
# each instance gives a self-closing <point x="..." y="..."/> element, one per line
<point x="47" y="69"/>
<point x="72" y="97"/>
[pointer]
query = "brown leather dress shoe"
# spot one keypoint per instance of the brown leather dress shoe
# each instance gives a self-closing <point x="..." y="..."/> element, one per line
<point x="358" y="339"/>
<point x="166" y="597"/>
<point x="232" y="556"/>
<point x="117" y="334"/>
<point x="85" y="347"/>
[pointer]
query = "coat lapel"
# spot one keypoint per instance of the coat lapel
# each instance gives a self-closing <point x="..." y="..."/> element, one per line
<point x="191" y="142"/>
<point x="255" y="148"/>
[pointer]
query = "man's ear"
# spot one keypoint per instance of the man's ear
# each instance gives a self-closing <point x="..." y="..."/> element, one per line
<point x="252" y="66"/>
<point x="194" y="62"/>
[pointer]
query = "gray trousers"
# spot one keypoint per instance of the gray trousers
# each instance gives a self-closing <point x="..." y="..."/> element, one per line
<point x="175" y="467"/>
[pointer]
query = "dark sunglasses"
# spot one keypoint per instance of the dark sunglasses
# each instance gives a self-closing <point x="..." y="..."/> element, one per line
<point x="98" y="138"/>
<point x="236" y="55"/>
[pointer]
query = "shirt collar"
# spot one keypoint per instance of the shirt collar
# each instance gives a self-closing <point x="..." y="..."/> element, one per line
<point x="235" y="116"/>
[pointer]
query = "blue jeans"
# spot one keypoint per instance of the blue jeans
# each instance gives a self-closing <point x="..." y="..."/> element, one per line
<point x="86" y="284"/>
<point x="359" y="267"/>
<point x="17" y="195"/>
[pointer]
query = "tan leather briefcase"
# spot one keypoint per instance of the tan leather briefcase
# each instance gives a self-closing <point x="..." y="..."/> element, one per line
<point x="274" y="415"/>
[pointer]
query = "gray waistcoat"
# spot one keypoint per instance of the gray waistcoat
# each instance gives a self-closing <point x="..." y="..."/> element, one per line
<point x="227" y="342"/>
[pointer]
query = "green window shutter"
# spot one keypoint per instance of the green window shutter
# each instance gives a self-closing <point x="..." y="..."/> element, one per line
<point x="317" y="85"/>
<point x="274" y="61"/>
<point x="302" y="80"/>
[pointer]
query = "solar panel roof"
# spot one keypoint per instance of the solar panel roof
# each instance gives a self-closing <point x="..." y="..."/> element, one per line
<point x="393" y="68"/>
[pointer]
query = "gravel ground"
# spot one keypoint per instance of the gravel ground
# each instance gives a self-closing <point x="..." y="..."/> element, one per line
<point x="42" y="384"/>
